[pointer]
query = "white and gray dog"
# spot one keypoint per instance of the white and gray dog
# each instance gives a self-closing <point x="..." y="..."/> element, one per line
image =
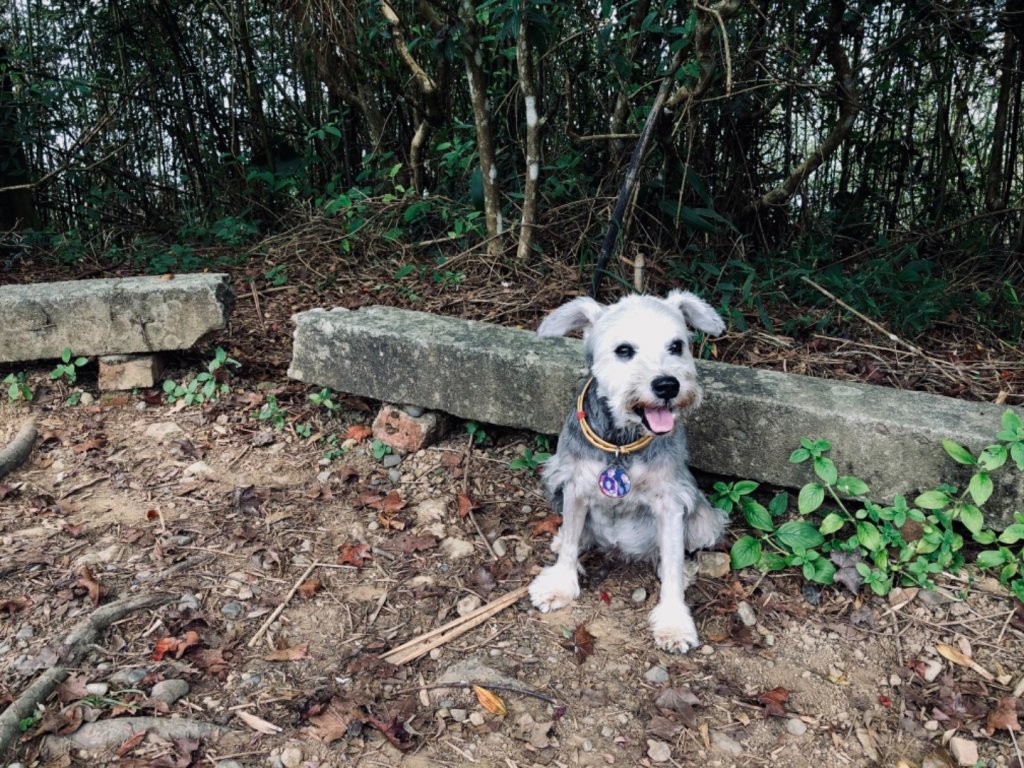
<point x="619" y="478"/>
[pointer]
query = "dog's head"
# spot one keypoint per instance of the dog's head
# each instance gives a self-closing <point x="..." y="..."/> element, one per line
<point x="638" y="350"/>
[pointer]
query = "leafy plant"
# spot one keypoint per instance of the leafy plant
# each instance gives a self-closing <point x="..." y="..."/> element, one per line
<point x="68" y="366"/>
<point x="272" y="413"/>
<point x="206" y="385"/>
<point x="379" y="449"/>
<point x="841" y="535"/>
<point x="476" y="432"/>
<point x="529" y="460"/>
<point x="324" y="399"/>
<point x="17" y="387"/>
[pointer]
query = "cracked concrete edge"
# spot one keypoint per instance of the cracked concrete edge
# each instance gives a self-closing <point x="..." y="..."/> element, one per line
<point x="107" y="317"/>
<point x="750" y="422"/>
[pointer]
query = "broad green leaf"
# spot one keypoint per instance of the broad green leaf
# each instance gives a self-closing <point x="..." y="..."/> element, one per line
<point x="743" y="487"/>
<point x="972" y="518"/>
<point x="779" y="503"/>
<point x="825" y="468"/>
<point x="980" y="487"/>
<point x="832" y="523"/>
<point x="799" y="455"/>
<point x="772" y="561"/>
<point x="745" y="552"/>
<point x="991" y="558"/>
<point x="757" y="516"/>
<point x="1012" y="425"/>
<point x="1012" y="534"/>
<point x="852" y="486"/>
<point x="958" y="453"/>
<point x="868" y="535"/>
<point x="824" y="571"/>
<point x="993" y="457"/>
<point x="810" y="498"/>
<point x="797" y="535"/>
<point x="932" y="500"/>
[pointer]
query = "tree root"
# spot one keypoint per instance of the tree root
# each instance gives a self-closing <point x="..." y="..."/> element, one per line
<point x="70" y="652"/>
<point x="15" y="454"/>
<point x="104" y="735"/>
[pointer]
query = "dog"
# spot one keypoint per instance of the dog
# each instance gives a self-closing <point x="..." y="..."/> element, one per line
<point x="619" y="478"/>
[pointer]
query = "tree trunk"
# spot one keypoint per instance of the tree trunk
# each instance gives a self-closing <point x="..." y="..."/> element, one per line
<point x="532" y="182"/>
<point x="17" y="208"/>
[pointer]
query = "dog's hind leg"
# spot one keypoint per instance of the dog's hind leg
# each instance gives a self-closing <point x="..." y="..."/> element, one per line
<point x="705" y="525"/>
<point x="558" y="585"/>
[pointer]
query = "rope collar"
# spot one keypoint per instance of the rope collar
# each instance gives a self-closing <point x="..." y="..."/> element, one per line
<point x="595" y="440"/>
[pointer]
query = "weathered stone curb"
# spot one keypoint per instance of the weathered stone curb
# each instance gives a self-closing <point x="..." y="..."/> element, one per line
<point x="750" y="422"/>
<point x="110" y="317"/>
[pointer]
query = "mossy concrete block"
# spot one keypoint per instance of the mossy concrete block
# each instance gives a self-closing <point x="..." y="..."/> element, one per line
<point x="750" y="423"/>
<point x="111" y="317"/>
<point x="469" y="369"/>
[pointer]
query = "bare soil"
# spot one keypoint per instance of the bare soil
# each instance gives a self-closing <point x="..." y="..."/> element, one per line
<point x="228" y="515"/>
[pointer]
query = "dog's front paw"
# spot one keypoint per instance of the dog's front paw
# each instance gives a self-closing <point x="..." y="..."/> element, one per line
<point x="674" y="630"/>
<point x="555" y="587"/>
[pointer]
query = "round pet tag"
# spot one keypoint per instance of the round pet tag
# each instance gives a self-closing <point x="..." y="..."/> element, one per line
<point x="614" y="482"/>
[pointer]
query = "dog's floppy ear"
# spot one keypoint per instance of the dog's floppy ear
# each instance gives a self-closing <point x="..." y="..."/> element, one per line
<point x="698" y="313"/>
<point x="578" y="313"/>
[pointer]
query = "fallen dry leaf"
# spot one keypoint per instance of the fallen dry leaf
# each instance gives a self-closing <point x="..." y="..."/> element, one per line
<point x="130" y="743"/>
<point x="957" y="656"/>
<point x="581" y="643"/>
<point x="309" y="587"/>
<point x="257" y="724"/>
<point x="295" y="653"/>
<point x="490" y="701"/>
<point x="358" y="432"/>
<point x="91" y="585"/>
<point x="407" y="543"/>
<point x="212" y="661"/>
<point x="549" y="524"/>
<point x="13" y="605"/>
<point x="354" y="554"/>
<point x="774" y="701"/>
<point x="466" y="505"/>
<point x="90" y="445"/>
<point x="338" y="720"/>
<point x="174" y="645"/>
<point x="1004" y="716"/>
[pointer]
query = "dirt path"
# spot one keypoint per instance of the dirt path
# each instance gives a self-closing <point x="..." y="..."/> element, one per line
<point x="228" y="513"/>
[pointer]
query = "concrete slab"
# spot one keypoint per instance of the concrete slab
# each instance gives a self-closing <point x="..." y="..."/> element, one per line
<point x="750" y="422"/>
<point x="111" y="317"/>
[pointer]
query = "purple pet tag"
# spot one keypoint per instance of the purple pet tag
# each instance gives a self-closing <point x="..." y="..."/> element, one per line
<point x="614" y="482"/>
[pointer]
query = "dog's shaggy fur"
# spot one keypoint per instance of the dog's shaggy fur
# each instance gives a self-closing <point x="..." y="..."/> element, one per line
<point x="643" y="375"/>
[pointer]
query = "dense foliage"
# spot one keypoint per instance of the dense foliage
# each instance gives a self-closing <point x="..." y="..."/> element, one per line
<point x="874" y="145"/>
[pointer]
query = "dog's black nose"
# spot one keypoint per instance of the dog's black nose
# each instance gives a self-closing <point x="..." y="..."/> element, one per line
<point x="665" y="387"/>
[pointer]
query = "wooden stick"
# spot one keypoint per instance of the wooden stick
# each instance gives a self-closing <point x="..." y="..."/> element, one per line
<point x="888" y="334"/>
<point x="277" y="611"/>
<point x="425" y="643"/>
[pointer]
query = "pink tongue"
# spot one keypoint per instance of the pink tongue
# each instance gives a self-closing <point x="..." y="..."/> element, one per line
<point x="660" y="420"/>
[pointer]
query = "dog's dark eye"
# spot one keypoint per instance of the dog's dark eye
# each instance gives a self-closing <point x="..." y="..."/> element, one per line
<point x="676" y="347"/>
<point x="625" y="352"/>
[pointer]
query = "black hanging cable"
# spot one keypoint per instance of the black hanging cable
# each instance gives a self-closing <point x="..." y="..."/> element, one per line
<point x="628" y="183"/>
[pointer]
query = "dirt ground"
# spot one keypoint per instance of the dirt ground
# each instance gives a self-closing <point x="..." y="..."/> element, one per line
<point x="227" y="515"/>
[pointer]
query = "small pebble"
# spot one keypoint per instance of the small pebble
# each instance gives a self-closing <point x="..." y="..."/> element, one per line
<point x="500" y="547"/>
<point x="189" y="602"/>
<point x="476" y="718"/>
<point x="458" y="715"/>
<point x="232" y="609"/>
<point x="722" y="742"/>
<point x="25" y="633"/>
<point x="746" y="614"/>
<point x="639" y="595"/>
<point x="931" y="725"/>
<point x="607" y="732"/>
<point x="394" y="475"/>
<point x="964" y="751"/>
<point x="169" y="691"/>
<point x="796" y="726"/>
<point x="587" y="745"/>
<point x="657" y="674"/>
<point x="658" y="751"/>
<point x="523" y="551"/>
<point x="707" y="650"/>
<point x="391" y="460"/>
<point x="291" y="756"/>
<point x="468" y="604"/>
<point x="86" y="399"/>
<point x="97" y="689"/>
